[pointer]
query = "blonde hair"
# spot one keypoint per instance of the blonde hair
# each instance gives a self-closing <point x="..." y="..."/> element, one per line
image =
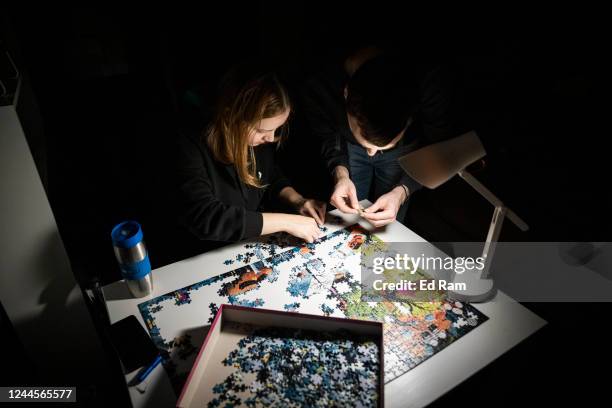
<point x="244" y="101"/>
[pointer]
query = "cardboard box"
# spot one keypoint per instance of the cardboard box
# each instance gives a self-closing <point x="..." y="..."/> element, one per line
<point x="268" y="347"/>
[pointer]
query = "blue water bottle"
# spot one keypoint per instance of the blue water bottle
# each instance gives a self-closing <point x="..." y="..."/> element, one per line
<point x="133" y="259"/>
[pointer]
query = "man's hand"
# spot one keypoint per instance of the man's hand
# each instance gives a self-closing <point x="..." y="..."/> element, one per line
<point x="385" y="209"/>
<point x="344" y="196"/>
<point x="312" y="208"/>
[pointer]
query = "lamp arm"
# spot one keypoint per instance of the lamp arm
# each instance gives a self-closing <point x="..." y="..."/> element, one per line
<point x="492" y="237"/>
<point x="517" y="220"/>
<point x="478" y="186"/>
<point x="492" y="198"/>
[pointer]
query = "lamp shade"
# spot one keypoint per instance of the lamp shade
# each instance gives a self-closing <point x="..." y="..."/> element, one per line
<point x="437" y="163"/>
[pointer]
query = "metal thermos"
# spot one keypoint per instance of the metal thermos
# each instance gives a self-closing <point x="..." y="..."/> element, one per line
<point x="133" y="259"/>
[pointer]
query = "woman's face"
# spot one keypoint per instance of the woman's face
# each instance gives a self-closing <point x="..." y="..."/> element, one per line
<point x="265" y="130"/>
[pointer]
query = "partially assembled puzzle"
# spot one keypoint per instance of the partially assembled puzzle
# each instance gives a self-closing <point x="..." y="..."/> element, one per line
<point x="322" y="278"/>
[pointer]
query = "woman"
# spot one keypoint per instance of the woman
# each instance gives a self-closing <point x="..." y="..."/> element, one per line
<point x="228" y="175"/>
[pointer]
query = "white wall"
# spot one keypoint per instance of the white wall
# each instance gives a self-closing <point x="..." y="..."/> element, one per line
<point x="37" y="287"/>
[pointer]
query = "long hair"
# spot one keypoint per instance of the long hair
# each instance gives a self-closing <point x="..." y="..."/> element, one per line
<point x="245" y="99"/>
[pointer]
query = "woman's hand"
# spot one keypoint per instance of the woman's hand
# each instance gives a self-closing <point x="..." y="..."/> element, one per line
<point x="304" y="206"/>
<point x="302" y="227"/>
<point x="299" y="226"/>
<point x="312" y="208"/>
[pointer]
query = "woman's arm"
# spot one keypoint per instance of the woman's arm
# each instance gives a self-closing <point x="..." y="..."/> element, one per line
<point x="199" y="209"/>
<point x="208" y="218"/>
<point x="304" y="206"/>
<point x="299" y="226"/>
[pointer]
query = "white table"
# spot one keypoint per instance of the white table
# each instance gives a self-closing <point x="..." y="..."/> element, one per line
<point x="509" y="323"/>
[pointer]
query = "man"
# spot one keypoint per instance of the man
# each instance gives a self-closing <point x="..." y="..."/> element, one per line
<point x="367" y="115"/>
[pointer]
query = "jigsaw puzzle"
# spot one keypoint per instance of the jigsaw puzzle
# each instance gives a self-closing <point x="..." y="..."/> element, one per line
<point x="322" y="278"/>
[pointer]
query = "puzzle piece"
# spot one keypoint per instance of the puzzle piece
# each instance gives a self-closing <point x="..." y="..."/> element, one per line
<point x="293" y="367"/>
<point x="320" y="278"/>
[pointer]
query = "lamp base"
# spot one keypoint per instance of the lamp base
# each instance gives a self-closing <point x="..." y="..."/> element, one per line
<point x="471" y="288"/>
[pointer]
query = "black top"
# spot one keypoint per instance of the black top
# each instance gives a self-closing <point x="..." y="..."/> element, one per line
<point x="214" y="204"/>
<point x="323" y="107"/>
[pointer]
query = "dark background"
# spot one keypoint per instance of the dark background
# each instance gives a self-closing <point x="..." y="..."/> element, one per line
<point x="113" y="85"/>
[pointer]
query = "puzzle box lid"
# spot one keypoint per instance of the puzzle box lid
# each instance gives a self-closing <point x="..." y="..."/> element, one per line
<point x="231" y="324"/>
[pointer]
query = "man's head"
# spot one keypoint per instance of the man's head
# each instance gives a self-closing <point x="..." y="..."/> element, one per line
<point x="381" y="98"/>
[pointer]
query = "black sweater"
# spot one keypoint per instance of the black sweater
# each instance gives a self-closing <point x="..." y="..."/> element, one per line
<point x="214" y="204"/>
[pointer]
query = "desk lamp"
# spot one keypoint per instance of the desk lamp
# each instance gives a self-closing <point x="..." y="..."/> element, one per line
<point x="437" y="163"/>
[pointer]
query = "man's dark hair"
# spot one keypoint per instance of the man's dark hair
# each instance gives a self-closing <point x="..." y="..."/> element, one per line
<point x="382" y="96"/>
